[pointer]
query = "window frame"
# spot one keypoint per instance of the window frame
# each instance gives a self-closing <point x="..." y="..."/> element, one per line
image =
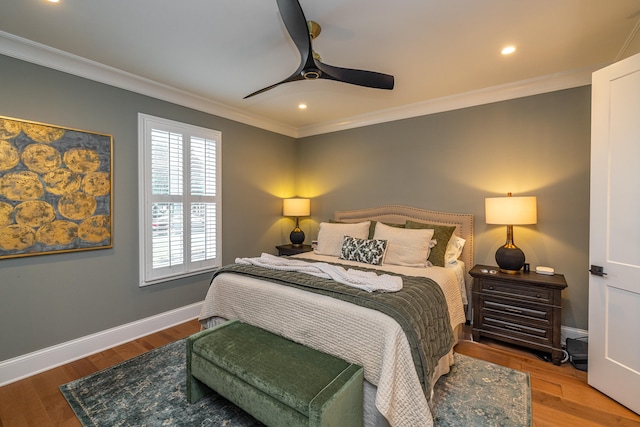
<point x="149" y="275"/>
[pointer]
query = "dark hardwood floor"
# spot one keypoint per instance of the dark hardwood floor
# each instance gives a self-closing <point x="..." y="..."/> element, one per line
<point x="560" y="394"/>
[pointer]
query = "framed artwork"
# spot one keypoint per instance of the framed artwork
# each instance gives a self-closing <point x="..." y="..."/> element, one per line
<point x="55" y="189"/>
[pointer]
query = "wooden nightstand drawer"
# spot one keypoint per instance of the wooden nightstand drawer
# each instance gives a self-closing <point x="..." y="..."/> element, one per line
<point x="517" y="313"/>
<point x="530" y="334"/>
<point x="530" y="293"/>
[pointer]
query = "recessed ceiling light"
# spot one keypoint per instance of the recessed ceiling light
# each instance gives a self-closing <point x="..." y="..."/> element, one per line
<point x="508" y="50"/>
<point x="54" y="1"/>
<point x="302" y="106"/>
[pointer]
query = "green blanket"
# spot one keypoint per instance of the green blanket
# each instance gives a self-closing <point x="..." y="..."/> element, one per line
<point x="419" y="308"/>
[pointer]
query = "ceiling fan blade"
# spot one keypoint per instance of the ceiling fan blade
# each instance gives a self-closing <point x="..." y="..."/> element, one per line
<point x="295" y="77"/>
<point x="311" y="68"/>
<point x="364" y="78"/>
<point x="296" y="23"/>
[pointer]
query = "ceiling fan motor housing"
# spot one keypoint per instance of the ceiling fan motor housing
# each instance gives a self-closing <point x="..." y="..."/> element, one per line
<point x="311" y="74"/>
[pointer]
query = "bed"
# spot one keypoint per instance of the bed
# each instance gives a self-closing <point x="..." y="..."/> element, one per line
<point x="398" y="379"/>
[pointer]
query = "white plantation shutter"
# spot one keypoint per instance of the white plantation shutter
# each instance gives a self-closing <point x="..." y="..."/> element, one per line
<point x="203" y="185"/>
<point x="180" y="199"/>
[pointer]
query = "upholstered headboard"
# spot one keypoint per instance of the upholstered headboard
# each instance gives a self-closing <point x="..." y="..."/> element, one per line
<point x="399" y="214"/>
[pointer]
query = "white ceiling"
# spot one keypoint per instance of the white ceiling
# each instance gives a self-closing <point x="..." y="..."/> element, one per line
<point x="215" y="52"/>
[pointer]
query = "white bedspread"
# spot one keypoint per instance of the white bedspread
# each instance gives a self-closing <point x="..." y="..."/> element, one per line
<point x="365" y="280"/>
<point x="357" y="334"/>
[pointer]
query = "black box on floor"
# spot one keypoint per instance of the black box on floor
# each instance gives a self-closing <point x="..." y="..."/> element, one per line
<point x="578" y="351"/>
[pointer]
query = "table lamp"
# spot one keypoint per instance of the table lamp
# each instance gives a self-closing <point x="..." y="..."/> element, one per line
<point x="296" y="207"/>
<point x="510" y="211"/>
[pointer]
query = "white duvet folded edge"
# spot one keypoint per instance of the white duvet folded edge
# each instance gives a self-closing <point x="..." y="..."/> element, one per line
<point x="367" y="281"/>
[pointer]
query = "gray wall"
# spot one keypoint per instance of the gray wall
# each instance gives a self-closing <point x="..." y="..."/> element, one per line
<point x="50" y="299"/>
<point x="449" y="161"/>
<point x="538" y="146"/>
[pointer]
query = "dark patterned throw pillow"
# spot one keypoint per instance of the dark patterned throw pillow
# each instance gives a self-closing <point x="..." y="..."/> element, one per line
<point x="363" y="250"/>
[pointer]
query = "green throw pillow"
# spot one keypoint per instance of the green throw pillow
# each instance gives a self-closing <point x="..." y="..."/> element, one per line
<point x="442" y="234"/>
<point x="372" y="227"/>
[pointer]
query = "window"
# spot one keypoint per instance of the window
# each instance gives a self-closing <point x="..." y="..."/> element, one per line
<point x="180" y="202"/>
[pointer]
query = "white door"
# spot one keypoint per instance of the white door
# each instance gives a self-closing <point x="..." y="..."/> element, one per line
<point x="614" y="298"/>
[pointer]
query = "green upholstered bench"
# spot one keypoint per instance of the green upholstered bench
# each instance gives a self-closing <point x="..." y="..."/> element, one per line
<point x="277" y="381"/>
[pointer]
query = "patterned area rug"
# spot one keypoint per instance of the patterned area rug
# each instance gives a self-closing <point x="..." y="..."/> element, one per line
<point x="149" y="390"/>
<point x="479" y="393"/>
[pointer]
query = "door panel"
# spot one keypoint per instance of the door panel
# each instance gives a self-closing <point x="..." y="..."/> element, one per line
<point x="623" y="306"/>
<point x="614" y="298"/>
<point x="624" y="155"/>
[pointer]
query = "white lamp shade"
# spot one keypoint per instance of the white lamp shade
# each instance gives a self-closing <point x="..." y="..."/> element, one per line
<point x="511" y="210"/>
<point x="296" y="207"/>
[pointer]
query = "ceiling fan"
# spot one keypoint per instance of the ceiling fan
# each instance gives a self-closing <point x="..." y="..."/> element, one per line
<point x="302" y="32"/>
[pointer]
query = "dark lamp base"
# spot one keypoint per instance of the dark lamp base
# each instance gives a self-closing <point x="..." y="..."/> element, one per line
<point x="296" y="237"/>
<point x="510" y="259"/>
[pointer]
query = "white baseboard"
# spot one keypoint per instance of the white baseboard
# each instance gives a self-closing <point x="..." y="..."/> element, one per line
<point x="42" y="360"/>
<point x="24" y="366"/>
<point x="567" y="332"/>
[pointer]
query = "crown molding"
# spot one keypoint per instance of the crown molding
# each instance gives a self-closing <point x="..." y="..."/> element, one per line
<point x="520" y="89"/>
<point x="36" y="53"/>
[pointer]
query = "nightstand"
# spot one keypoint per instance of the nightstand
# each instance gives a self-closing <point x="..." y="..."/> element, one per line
<point x="293" y="250"/>
<point x="522" y="308"/>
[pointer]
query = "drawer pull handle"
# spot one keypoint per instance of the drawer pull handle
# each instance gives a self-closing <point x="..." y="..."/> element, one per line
<point x="515" y="328"/>
<point x="513" y="310"/>
<point x="538" y="296"/>
<point x="490" y="288"/>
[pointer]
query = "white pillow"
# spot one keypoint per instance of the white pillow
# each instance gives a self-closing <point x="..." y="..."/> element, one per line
<point x="405" y="246"/>
<point x="454" y="249"/>
<point x="331" y="236"/>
